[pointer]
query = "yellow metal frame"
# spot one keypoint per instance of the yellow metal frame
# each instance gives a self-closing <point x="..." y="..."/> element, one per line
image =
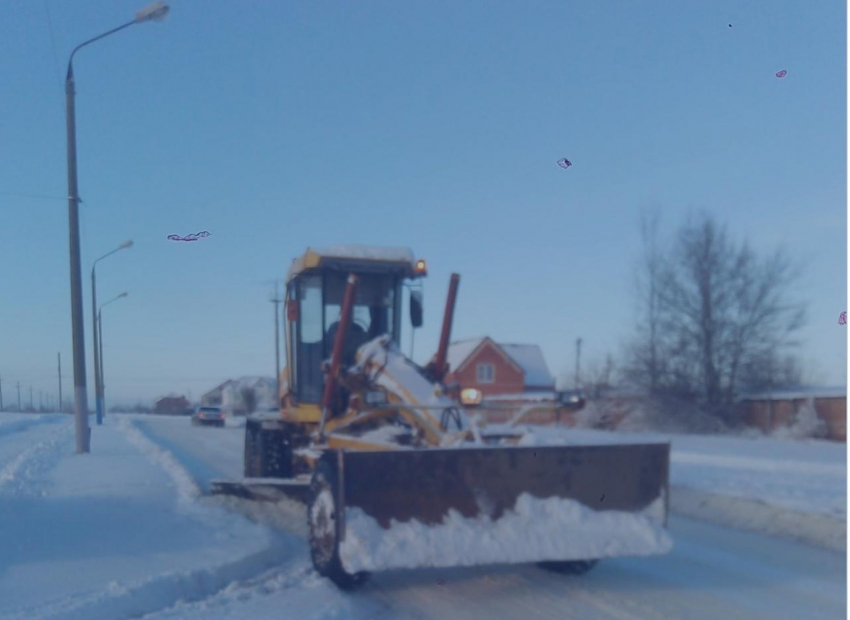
<point x="302" y="413"/>
<point x="342" y="442"/>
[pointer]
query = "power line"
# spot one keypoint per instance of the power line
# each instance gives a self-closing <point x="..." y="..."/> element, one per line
<point x="34" y="196"/>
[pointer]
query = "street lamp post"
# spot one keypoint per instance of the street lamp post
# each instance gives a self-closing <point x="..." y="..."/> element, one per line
<point x="98" y="390"/>
<point x="99" y="329"/>
<point x="156" y="11"/>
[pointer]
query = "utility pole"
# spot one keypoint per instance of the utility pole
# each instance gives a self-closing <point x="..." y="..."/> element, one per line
<point x="31" y="407"/>
<point x="1" y="393"/>
<point x="59" y="359"/>
<point x="19" y="396"/>
<point x="578" y="361"/>
<point x="81" y="405"/>
<point x="276" y="300"/>
<point x="40" y="400"/>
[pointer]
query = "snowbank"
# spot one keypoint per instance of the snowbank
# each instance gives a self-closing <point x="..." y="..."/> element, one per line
<point x="113" y="534"/>
<point x="187" y="490"/>
<point x="535" y="530"/>
<point x="791" y="488"/>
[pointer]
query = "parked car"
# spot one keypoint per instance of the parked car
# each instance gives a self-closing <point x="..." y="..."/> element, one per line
<point x="208" y="416"/>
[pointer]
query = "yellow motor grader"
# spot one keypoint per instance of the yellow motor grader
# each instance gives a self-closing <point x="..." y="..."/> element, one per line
<point x="396" y="470"/>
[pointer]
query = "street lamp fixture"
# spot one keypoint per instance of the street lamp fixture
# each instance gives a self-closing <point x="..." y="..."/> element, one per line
<point x="98" y="389"/>
<point x="154" y="12"/>
<point x="99" y="329"/>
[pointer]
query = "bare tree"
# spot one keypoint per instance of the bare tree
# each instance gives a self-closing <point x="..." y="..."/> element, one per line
<point x="717" y="319"/>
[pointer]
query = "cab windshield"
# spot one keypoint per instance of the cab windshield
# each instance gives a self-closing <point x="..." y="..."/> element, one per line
<point x="376" y="312"/>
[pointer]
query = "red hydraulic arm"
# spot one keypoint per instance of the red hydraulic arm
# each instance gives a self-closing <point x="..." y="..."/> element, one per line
<point x="445" y="334"/>
<point x="336" y="354"/>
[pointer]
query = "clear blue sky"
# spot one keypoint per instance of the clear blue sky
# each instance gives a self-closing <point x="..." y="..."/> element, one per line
<point x="278" y="125"/>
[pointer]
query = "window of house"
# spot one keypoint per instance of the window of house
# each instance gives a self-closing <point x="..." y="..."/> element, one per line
<point x="486" y="373"/>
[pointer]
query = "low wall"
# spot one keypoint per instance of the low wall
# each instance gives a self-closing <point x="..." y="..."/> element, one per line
<point x="768" y="415"/>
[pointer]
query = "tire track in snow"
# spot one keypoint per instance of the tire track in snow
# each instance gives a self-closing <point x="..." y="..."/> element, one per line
<point x="286" y="515"/>
<point x="19" y="474"/>
<point x="162" y="592"/>
<point x="187" y="489"/>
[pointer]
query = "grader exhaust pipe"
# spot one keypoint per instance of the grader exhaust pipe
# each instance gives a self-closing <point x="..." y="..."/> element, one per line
<point x="437" y="369"/>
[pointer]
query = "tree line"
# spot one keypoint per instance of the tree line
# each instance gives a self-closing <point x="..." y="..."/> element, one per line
<point x="714" y="318"/>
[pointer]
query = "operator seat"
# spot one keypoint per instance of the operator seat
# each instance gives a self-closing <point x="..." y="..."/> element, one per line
<point x="355" y="338"/>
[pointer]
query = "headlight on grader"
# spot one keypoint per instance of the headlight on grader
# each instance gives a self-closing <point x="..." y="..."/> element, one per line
<point x="471" y="396"/>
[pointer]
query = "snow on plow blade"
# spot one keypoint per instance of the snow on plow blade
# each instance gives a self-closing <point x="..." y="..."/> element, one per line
<point x="462" y="507"/>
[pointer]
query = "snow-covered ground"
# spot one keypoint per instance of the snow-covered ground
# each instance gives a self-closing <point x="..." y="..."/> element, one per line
<point x="113" y="534"/>
<point x="780" y="486"/>
<point x="126" y="532"/>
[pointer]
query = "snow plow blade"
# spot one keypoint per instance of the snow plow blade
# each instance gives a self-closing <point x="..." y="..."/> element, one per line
<point x="462" y="507"/>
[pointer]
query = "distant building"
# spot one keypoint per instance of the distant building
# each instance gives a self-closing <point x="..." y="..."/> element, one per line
<point x="498" y="369"/>
<point x="235" y="395"/>
<point x="770" y="410"/>
<point x="173" y="405"/>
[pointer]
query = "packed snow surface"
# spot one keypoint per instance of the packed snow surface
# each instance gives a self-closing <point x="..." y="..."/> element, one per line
<point x="395" y="254"/>
<point x="535" y="530"/>
<point x="366" y="252"/>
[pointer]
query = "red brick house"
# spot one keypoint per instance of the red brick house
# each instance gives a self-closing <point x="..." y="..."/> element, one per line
<point x="498" y="369"/>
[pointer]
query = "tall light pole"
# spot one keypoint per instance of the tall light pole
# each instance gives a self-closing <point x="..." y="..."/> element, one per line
<point x="156" y="11"/>
<point x="98" y="389"/>
<point x="100" y="342"/>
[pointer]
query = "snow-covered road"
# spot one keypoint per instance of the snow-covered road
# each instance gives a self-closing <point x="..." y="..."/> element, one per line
<point x="124" y="533"/>
<point x="713" y="572"/>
